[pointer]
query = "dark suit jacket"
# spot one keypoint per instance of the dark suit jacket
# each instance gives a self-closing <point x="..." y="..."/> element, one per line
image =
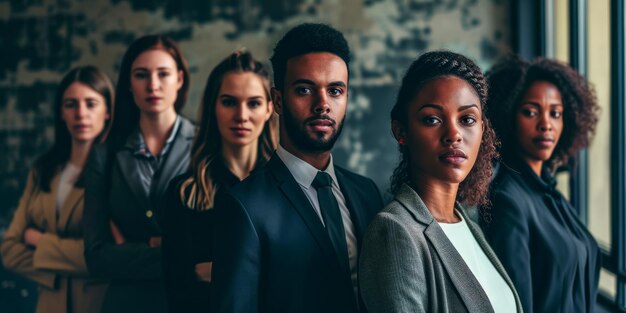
<point x="552" y="259"/>
<point x="272" y="253"/>
<point x="134" y="267"/>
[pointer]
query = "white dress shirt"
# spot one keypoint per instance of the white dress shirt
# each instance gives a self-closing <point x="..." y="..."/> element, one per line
<point x="496" y="288"/>
<point x="304" y="173"/>
<point x="69" y="176"/>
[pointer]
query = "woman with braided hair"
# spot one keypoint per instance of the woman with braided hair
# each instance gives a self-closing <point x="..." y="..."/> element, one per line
<point x="422" y="253"/>
<point x="544" y="112"/>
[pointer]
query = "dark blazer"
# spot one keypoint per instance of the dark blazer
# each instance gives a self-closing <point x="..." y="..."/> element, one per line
<point x="408" y="264"/>
<point x="187" y="241"/>
<point x="272" y="253"/>
<point x="552" y="259"/>
<point x="134" y="268"/>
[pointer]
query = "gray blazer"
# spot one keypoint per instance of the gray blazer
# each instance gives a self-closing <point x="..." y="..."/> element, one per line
<point x="407" y="263"/>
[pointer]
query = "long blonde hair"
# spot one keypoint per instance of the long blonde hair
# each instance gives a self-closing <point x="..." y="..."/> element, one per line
<point x="197" y="192"/>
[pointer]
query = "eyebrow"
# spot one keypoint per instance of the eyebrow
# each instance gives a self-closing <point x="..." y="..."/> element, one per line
<point x="440" y="108"/>
<point x="310" y="82"/>
<point x="146" y="69"/>
<point x="249" y="98"/>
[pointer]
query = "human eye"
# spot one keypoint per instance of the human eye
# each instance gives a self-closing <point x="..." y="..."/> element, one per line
<point x="254" y="103"/>
<point x="335" y="92"/>
<point x="228" y="102"/>
<point x="69" y="104"/>
<point x="304" y="90"/>
<point x="528" y="112"/>
<point x="140" y="75"/>
<point x="163" y="74"/>
<point x="468" y="120"/>
<point x="431" y="120"/>
<point x="556" y="114"/>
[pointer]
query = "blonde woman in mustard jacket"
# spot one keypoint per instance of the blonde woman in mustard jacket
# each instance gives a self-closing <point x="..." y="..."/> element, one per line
<point x="44" y="241"/>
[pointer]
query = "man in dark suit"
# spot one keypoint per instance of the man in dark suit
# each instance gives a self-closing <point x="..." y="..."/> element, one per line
<point x="288" y="236"/>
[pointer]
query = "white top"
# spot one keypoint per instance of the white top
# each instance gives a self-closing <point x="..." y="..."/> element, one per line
<point x="68" y="178"/>
<point x="304" y="173"/>
<point x="499" y="293"/>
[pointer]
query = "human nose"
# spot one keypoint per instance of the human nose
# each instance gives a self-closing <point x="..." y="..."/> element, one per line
<point x="153" y="82"/>
<point x="452" y="134"/>
<point x="243" y="113"/>
<point x="321" y="105"/>
<point x="544" y="124"/>
<point x="81" y="111"/>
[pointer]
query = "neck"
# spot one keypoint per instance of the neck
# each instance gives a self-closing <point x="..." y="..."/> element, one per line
<point x="317" y="159"/>
<point x="240" y="160"/>
<point x="535" y="165"/>
<point x="80" y="152"/>
<point x="439" y="197"/>
<point x="156" y="128"/>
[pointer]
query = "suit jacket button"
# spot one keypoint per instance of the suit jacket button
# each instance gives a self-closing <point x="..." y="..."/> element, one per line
<point x="149" y="213"/>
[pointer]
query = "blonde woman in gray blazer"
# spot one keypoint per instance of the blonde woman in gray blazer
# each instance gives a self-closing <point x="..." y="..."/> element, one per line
<point x="422" y="253"/>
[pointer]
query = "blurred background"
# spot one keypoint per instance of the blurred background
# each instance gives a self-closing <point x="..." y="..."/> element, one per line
<point x="40" y="40"/>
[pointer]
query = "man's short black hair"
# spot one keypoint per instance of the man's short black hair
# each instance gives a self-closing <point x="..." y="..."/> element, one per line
<point x="307" y="38"/>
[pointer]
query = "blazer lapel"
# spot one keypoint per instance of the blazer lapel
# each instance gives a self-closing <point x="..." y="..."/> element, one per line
<point x="71" y="203"/>
<point x="292" y="191"/>
<point x="468" y="287"/>
<point x="180" y="150"/>
<point x="50" y="204"/>
<point x="129" y="170"/>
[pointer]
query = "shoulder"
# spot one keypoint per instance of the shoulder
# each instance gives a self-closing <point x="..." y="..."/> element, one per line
<point x="356" y="181"/>
<point x="259" y="186"/>
<point x="397" y="218"/>
<point x="187" y="127"/>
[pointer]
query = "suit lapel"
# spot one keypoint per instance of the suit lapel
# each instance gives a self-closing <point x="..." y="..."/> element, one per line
<point x="179" y="151"/>
<point x="467" y="286"/>
<point x="71" y="203"/>
<point x="292" y="191"/>
<point x="353" y="202"/>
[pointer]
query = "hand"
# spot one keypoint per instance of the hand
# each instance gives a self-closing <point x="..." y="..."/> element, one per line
<point x="117" y="234"/>
<point x="32" y="236"/>
<point x="203" y="271"/>
<point x="154" y="242"/>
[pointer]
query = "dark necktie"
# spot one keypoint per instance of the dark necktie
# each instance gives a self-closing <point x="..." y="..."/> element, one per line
<point x="332" y="217"/>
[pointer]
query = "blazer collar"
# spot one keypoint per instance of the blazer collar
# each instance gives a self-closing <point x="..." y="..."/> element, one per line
<point x="468" y="287"/>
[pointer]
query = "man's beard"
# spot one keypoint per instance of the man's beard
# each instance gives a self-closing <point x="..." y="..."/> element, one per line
<point x="300" y="137"/>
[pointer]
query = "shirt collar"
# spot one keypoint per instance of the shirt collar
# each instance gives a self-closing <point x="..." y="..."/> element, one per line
<point x="303" y="172"/>
<point x="137" y="144"/>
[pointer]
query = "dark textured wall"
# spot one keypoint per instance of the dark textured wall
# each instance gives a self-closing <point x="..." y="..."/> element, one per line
<point x="40" y="40"/>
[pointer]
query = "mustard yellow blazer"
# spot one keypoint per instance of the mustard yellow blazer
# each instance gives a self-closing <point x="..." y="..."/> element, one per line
<point x="57" y="264"/>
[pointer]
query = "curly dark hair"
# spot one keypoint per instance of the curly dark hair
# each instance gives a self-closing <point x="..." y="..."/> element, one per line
<point x="509" y="80"/>
<point x="475" y="188"/>
<point x="307" y="38"/>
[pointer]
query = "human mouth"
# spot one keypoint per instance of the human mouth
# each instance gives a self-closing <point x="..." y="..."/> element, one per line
<point x="153" y="99"/>
<point x="453" y="156"/>
<point x="321" y="124"/>
<point x="543" y="142"/>
<point x="240" y="131"/>
<point x="81" y="127"/>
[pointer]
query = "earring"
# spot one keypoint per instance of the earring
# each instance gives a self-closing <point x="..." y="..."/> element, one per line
<point x="401" y="141"/>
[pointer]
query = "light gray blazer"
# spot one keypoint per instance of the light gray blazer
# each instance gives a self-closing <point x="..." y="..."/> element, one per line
<point x="407" y="263"/>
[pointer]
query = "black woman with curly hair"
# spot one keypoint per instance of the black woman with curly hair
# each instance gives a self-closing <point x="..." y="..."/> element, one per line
<point x="422" y="253"/>
<point x="544" y="112"/>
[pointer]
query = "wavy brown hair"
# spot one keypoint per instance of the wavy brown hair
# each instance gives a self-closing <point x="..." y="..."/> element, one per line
<point x="475" y="188"/>
<point x="198" y="191"/>
<point x="509" y="80"/>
